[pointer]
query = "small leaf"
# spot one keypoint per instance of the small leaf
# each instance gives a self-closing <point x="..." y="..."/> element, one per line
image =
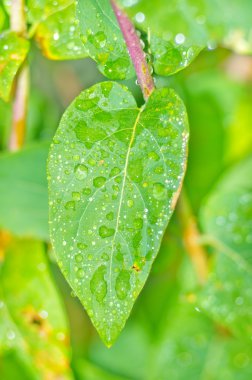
<point x="227" y="219"/>
<point x="103" y="38"/>
<point x="13" y="51"/>
<point x="23" y="188"/>
<point x="59" y="36"/>
<point x="169" y="58"/>
<point x="115" y="172"/>
<point x="33" y="323"/>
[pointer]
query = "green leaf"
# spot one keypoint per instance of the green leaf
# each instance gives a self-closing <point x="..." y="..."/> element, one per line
<point x="115" y="173"/>
<point x="169" y="58"/>
<point x="23" y="188"/>
<point x="13" y="51"/>
<point x="103" y="38"/>
<point x="59" y="36"/>
<point x="33" y="324"/>
<point x="227" y="219"/>
<point x="39" y="10"/>
<point x="193" y="348"/>
<point x="2" y="17"/>
<point x="188" y="26"/>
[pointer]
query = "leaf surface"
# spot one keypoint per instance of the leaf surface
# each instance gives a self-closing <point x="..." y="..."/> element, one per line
<point x="13" y="51"/>
<point x="227" y="219"/>
<point x="39" y="10"/>
<point x="115" y="173"/>
<point x="183" y="28"/>
<point x="33" y="324"/>
<point x="103" y="38"/>
<point x="23" y="188"/>
<point x="59" y="36"/>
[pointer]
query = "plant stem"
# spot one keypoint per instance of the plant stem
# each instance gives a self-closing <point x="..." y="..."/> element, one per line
<point x="191" y="238"/>
<point x="17" y="17"/>
<point x="19" y="108"/>
<point x="136" y="52"/>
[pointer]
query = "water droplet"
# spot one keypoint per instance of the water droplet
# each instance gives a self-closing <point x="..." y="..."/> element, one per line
<point x="140" y="17"/>
<point x="180" y="38"/>
<point x="138" y="223"/>
<point x="114" y="172"/>
<point x="105" y="256"/>
<point x="99" y="181"/>
<point x="98" y="285"/>
<point x="122" y="285"/>
<point x="110" y="216"/>
<point x="159" y="191"/>
<point x="76" y="196"/>
<point x="130" y="203"/>
<point x="105" y="232"/>
<point x="70" y="205"/>
<point x="86" y="191"/>
<point x="81" y="246"/>
<point x="81" y="172"/>
<point x="153" y="156"/>
<point x="78" y="258"/>
<point x="80" y="273"/>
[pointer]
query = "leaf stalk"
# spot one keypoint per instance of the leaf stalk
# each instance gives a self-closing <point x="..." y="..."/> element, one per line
<point x="136" y="52"/>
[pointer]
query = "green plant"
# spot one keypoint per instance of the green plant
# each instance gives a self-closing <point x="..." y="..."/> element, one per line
<point x="115" y="171"/>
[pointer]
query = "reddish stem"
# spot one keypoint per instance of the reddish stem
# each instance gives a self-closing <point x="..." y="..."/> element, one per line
<point x="136" y="52"/>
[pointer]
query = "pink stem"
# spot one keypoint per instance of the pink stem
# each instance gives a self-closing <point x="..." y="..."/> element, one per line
<point x="136" y="52"/>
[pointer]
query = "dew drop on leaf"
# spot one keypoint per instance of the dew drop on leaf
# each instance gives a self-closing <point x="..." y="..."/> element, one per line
<point x="105" y="232"/>
<point x="159" y="191"/>
<point x="122" y="285"/>
<point x="99" y="181"/>
<point x="98" y="285"/>
<point x="81" y="172"/>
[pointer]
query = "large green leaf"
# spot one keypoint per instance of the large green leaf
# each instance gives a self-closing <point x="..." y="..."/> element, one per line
<point x="115" y="173"/>
<point x="103" y="38"/>
<point x="33" y="328"/>
<point x="23" y="189"/>
<point x="178" y="30"/>
<point x="13" y="51"/>
<point x="59" y="36"/>
<point x="227" y="219"/>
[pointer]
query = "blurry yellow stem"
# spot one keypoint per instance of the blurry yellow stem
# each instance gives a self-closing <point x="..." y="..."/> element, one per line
<point x="191" y="236"/>
<point x="20" y="100"/>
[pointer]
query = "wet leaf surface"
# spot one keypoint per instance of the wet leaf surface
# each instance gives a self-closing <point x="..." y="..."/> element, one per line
<point x="103" y="39"/>
<point x="59" y="36"/>
<point x="227" y="219"/>
<point x="115" y="173"/>
<point x="178" y="30"/>
<point x="39" y="10"/>
<point x="33" y="326"/>
<point x="13" y="51"/>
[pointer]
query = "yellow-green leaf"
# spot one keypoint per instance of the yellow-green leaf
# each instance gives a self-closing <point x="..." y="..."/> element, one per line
<point x="32" y="321"/>
<point x="59" y="36"/>
<point x="13" y="51"/>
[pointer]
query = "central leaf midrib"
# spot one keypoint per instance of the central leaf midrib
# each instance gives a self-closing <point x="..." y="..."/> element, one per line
<point x="121" y="198"/>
